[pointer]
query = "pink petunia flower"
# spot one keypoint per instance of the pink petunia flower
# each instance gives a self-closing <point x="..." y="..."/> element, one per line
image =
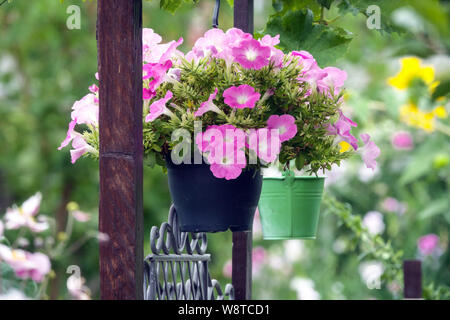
<point x="341" y="128"/>
<point x="159" y="108"/>
<point x="334" y="79"/>
<point x="370" y="151"/>
<point x="251" y="54"/>
<point x="285" y="124"/>
<point x="25" y="215"/>
<point x="276" y="55"/>
<point x="86" y="110"/>
<point x="70" y="134"/>
<point x="80" y="147"/>
<point x="208" y="106"/>
<point x="265" y="142"/>
<point x="428" y="244"/>
<point x="241" y="97"/>
<point x="402" y="140"/>
<point x="226" y="167"/>
<point x="219" y="140"/>
<point x="26" y="265"/>
<point x="93" y="88"/>
<point x="156" y="72"/>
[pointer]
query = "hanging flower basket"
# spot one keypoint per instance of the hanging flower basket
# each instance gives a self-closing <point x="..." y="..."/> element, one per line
<point x="289" y="207"/>
<point x="205" y="203"/>
<point x="241" y="104"/>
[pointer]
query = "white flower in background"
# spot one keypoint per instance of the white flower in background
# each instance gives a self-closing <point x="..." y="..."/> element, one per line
<point x="13" y="294"/>
<point x="22" y="242"/>
<point x="294" y="250"/>
<point x="304" y="288"/>
<point x="373" y="221"/>
<point x="371" y="272"/>
<point x="1" y="229"/>
<point x="338" y="175"/>
<point x="366" y="174"/>
<point x="80" y="216"/>
<point x="24" y="216"/>
<point x="339" y="246"/>
<point x="77" y="289"/>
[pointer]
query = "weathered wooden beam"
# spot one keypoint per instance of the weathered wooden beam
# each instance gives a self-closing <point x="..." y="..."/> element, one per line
<point x="119" y="34"/>
<point x="412" y="279"/>
<point x="242" y="241"/>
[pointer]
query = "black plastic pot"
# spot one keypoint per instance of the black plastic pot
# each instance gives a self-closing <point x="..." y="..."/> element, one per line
<point x="205" y="203"/>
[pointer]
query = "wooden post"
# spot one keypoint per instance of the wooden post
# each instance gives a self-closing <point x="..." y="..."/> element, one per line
<point x="412" y="279"/>
<point x="119" y="34"/>
<point x="242" y="241"/>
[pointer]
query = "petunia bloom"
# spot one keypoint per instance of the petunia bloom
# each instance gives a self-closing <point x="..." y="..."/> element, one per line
<point x="241" y="97"/>
<point x="370" y="151"/>
<point x="24" y="216"/>
<point x="402" y="140"/>
<point x="80" y="147"/>
<point x="266" y="143"/>
<point x="159" y="108"/>
<point x="251" y="54"/>
<point x="86" y="110"/>
<point x="208" y="106"/>
<point x="285" y="124"/>
<point x="26" y="265"/>
<point x="428" y="244"/>
<point x="341" y="128"/>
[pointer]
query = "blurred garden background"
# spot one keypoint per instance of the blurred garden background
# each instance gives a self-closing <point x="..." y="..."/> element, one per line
<point x="398" y="84"/>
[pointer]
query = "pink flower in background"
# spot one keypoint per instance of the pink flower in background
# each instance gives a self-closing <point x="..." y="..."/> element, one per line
<point x="80" y="216"/>
<point x="80" y="147"/>
<point x="208" y="105"/>
<point x="24" y="216"/>
<point x="258" y="259"/>
<point x="241" y="97"/>
<point x="228" y="269"/>
<point x="285" y="124"/>
<point x="393" y="205"/>
<point x="251" y="54"/>
<point x="26" y="265"/>
<point x="159" y="108"/>
<point x="77" y="289"/>
<point x="86" y="110"/>
<point x="402" y="140"/>
<point x="276" y="55"/>
<point x="373" y="221"/>
<point x="370" y="151"/>
<point x="428" y="244"/>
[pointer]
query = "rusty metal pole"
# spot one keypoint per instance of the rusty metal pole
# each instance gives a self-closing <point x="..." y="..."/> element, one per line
<point x="119" y="35"/>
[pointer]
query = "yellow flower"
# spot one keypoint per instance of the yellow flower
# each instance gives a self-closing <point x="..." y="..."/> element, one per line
<point x="411" y="115"/>
<point x="345" y="146"/>
<point x="440" y="112"/>
<point x="411" y="69"/>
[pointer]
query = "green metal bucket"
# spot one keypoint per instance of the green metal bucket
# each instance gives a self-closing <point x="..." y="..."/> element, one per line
<point x="289" y="207"/>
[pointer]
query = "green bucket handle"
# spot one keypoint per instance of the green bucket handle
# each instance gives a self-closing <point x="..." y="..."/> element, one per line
<point x="289" y="177"/>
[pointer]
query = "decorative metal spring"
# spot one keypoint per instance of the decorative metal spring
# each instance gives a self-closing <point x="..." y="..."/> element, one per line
<point x="177" y="268"/>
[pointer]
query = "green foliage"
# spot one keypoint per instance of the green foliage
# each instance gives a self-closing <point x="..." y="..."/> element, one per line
<point x="298" y="31"/>
<point x="173" y="5"/>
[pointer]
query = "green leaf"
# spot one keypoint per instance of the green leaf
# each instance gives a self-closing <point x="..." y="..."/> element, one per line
<point x="300" y="162"/>
<point x="298" y="32"/>
<point x="439" y="206"/>
<point x="443" y="89"/>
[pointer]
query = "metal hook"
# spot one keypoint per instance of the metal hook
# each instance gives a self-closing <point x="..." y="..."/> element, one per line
<point x="215" y="20"/>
